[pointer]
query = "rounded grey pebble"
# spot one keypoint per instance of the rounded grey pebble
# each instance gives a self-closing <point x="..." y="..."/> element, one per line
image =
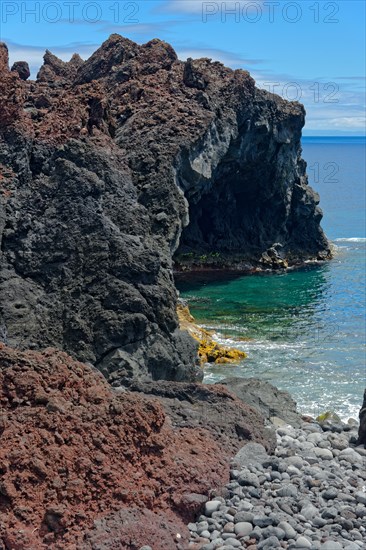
<point x="243" y="529"/>
<point x="330" y="493"/>
<point x="331" y="545"/>
<point x="229" y="527"/>
<point x="290" y="532"/>
<point x="226" y="536"/>
<point x="360" y="496"/>
<point x="274" y="532"/>
<point x="245" y="506"/>
<point x="247" y="478"/>
<point x="243" y="516"/>
<point x="302" y="542"/>
<point x="262" y="521"/>
<point x="256" y="533"/>
<point x="356" y="535"/>
<point x="330" y="513"/>
<point x="319" y="522"/>
<point x="233" y="542"/>
<point x="360" y="511"/>
<point x="217" y="543"/>
<point x="212" y="506"/>
<point x="268" y="544"/>
<point x="288" y="490"/>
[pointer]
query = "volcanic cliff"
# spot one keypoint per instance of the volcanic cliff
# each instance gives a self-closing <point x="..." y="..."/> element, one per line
<point x="114" y="167"/>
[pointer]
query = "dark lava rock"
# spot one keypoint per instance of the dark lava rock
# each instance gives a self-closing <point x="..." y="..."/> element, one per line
<point x="264" y="397"/>
<point x="230" y="422"/>
<point x="22" y="68"/>
<point x="362" y="427"/>
<point x="112" y="167"/>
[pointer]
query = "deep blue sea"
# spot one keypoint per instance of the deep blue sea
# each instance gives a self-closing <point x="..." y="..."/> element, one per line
<point x="305" y="329"/>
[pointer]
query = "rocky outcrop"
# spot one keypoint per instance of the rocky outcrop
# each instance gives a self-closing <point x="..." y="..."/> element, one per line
<point x="362" y="427"/>
<point x="230" y="421"/>
<point x="209" y="351"/>
<point x="22" y="68"/>
<point x="77" y="457"/>
<point x="272" y="403"/>
<point x="113" y="166"/>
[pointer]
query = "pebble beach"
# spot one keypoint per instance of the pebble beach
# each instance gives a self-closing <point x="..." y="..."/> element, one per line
<point x="309" y="495"/>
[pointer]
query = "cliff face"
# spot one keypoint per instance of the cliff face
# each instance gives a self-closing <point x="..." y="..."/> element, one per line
<point x="113" y="166"/>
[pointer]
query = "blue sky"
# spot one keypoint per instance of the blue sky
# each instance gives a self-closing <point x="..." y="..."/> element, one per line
<point x="311" y="51"/>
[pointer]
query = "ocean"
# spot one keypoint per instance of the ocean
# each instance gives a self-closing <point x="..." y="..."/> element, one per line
<point x="304" y="331"/>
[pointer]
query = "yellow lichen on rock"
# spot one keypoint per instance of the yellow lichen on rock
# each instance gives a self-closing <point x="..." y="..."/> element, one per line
<point x="328" y="415"/>
<point x="209" y="351"/>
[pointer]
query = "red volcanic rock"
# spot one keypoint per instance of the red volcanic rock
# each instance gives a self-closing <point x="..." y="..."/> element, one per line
<point x="155" y="529"/>
<point x="76" y="456"/>
<point x="11" y="92"/>
<point x="4" y="57"/>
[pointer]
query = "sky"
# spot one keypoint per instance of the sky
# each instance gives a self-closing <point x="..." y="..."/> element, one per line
<point x="309" y="51"/>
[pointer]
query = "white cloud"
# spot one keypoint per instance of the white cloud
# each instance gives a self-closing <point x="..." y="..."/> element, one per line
<point x="330" y="105"/>
<point x="228" y="58"/>
<point x="340" y="123"/>
<point x="204" y="6"/>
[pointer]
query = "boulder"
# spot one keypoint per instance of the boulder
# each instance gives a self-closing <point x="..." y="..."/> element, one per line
<point x="212" y="407"/>
<point x="362" y="427"/>
<point x="266" y="398"/>
<point x="22" y="68"/>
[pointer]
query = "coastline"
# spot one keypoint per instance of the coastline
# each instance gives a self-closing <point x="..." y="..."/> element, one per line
<point x="239" y="268"/>
<point x="297" y="334"/>
<point x="111" y="168"/>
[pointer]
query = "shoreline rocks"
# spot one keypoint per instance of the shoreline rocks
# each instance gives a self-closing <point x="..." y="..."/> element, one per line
<point x="362" y="416"/>
<point x="230" y="422"/>
<point x="272" y="403"/>
<point x="78" y="457"/>
<point x="309" y="494"/>
<point x="209" y="351"/>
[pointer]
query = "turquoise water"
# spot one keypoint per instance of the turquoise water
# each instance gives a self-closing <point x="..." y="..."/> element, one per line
<point x="304" y="331"/>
